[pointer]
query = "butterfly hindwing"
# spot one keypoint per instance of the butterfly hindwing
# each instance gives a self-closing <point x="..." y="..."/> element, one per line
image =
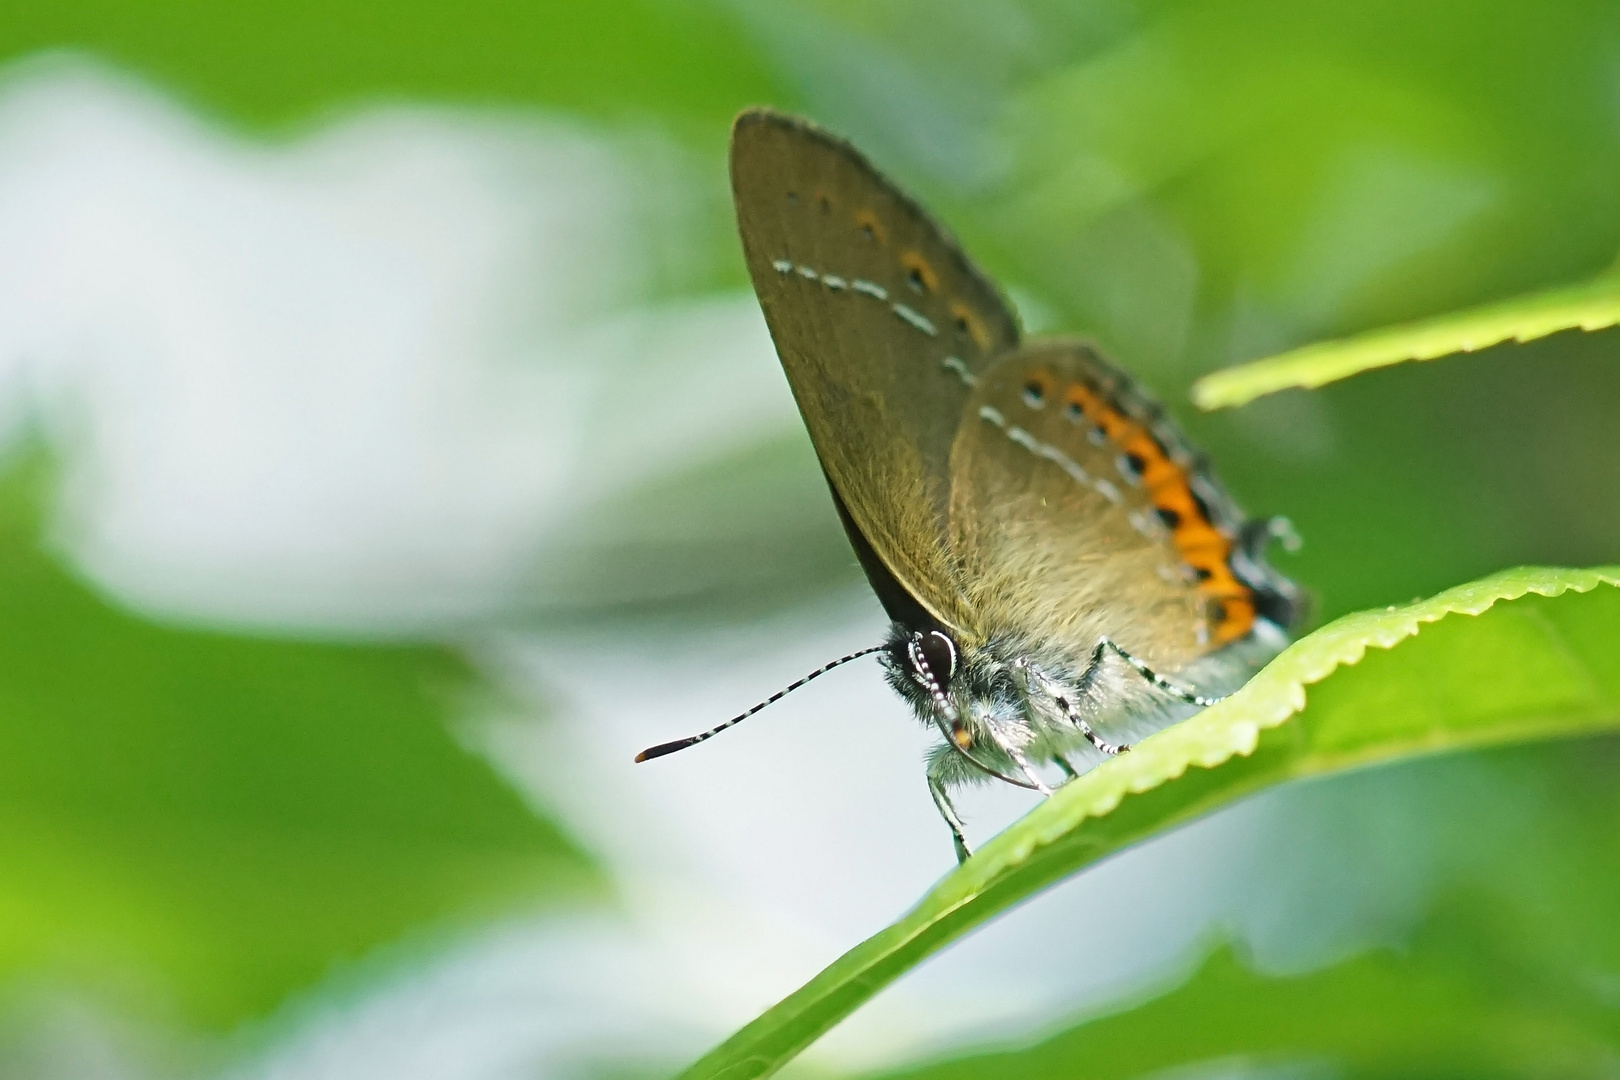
<point x="882" y="325"/>
<point x="1078" y="511"/>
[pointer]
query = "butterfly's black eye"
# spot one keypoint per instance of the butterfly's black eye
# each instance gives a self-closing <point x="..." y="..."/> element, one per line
<point x="937" y="653"/>
<point x="1034" y="394"/>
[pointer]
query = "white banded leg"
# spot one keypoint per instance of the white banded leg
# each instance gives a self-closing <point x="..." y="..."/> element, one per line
<point x="1151" y="676"/>
<point x="1018" y="759"/>
<point x="1055" y="692"/>
<point x="942" y="803"/>
<point x="1111" y="749"/>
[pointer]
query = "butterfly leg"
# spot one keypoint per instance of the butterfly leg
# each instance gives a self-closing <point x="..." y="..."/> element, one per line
<point x="1056" y="693"/>
<point x="1151" y="676"/>
<point x="1111" y="749"/>
<point x="942" y="803"/>
<point x="1019" y="759"/>
<point x="1062" y="762"/>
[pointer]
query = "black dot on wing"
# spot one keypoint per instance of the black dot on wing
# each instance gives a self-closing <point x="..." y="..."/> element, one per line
<point x="826" y="205"/>
<point x="1170" y="518"/>
<point x="1133" y="464"/>
<point x="1034" y="394"/>
<point x="871" y="226"/>
<point x="914" y="278"/>
<point x="1203" y="507"/>
<point x="1074" y="412"/>
<point x="793" y="198"/>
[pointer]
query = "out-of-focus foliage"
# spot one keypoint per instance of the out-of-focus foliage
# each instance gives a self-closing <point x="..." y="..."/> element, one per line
<point x="1461" y="999"/>
<point x="1195" y="183"/>
<point x="1591" y="306"/>
<point x="273" y="63"/>
<point x="199" y="823"/>
<point x="1535" y="668"/>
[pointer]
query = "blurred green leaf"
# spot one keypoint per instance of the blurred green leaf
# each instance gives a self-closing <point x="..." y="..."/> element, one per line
<point x="1420" y="1012"/>
<point x="1537" y="668"/>
<point x="687" y="63"/>
<point x="202" y="822"/>
<point x="1590" y="306"/>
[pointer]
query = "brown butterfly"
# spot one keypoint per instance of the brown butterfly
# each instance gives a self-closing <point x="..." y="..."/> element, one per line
<point x="1057" y="561"/>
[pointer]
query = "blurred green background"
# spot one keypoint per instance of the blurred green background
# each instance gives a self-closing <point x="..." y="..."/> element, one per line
<point x="201" y="824"/>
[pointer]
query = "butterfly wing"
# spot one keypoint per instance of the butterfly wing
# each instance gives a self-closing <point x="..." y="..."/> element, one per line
<point x="1078" y="511"/>
<point x="882" y="325"/>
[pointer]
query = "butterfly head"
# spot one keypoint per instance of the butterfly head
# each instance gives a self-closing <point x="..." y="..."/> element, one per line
<point x="959" y="690"/>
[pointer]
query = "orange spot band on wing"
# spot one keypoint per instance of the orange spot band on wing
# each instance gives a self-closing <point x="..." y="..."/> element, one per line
<point x="1201" y="546"/>
<point x="1234" y="617"/>
<point x="1156" y="467"/>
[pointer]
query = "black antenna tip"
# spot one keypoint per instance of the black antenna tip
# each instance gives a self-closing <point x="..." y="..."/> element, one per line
<point x="681" y="744"/>
<point x="664" y="748"/>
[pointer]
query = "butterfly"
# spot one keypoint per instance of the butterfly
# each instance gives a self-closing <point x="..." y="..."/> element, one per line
<point x="1061" y="568"/>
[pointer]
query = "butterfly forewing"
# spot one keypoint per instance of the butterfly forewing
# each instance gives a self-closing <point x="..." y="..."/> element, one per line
<point x="882" y="326"/>
<point x="1070" y="514"/>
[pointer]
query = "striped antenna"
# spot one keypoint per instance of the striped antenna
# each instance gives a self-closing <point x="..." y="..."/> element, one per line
<point x="681" y="744"/>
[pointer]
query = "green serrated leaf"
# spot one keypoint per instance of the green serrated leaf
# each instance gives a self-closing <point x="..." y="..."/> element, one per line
<point x="1533" y="669"/>
<point x="1592" y="305"/>
<point x="1510" y="973"/>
